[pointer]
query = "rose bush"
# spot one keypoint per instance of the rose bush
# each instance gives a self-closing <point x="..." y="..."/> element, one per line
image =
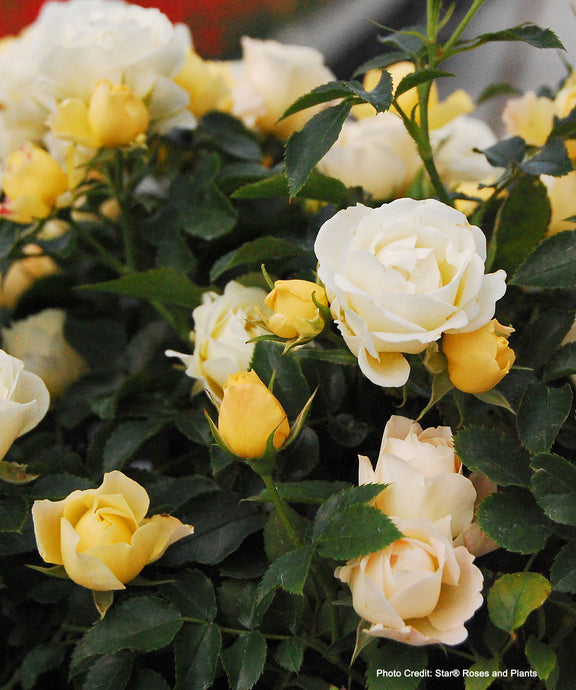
<point x="399" y="276"/>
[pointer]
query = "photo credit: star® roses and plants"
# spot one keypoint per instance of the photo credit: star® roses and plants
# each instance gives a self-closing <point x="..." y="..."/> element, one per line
<point x="287" y="363"/>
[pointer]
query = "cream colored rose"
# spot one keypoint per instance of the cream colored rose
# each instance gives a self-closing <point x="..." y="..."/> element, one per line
<point x="39" y="341"/>
<point x="562" y="196"/>
<point x="456" y="154"/>
<point x="208" y="83"/>
<point x="473" y="538"/>
<point x="101" y="536"/>
<point x="22" y="273"/>
<point x="419" y="590"/>
<point x="530" y="117"/>
<point x="423" y="473"/>
<point x="271" y="77"/>
<point x="399" y="276"/>
<point x="223" y="325"/>
<point x="376" y="153"/>
<point x="24" y="400"/>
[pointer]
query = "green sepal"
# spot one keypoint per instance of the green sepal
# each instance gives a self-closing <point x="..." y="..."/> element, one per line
<point x="103" y="601"/>
<point x="299" y="422"/>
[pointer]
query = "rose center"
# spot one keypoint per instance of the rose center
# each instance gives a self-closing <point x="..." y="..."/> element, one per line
<point x="102" y="527"/>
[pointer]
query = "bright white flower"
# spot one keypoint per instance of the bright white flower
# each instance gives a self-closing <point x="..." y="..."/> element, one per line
<point x="223" y="324"/>
<point x="376" y="153"/>
<point x="399" y="276"/>
<point x="24" y="400"/>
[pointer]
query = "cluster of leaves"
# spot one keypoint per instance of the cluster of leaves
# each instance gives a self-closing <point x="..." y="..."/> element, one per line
<point x="242" y="601"/>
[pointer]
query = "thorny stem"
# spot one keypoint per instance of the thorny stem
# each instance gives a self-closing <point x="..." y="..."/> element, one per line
<point x="451" y="42"/>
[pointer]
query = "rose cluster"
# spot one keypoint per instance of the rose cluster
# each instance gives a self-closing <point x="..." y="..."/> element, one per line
<point x="422" y="588"/>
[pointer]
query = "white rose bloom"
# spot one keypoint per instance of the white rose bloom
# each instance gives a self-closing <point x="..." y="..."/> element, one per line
<point x="376" y="153"/>
<point x="24" y="400"/>
<point x="423" y="473"/>
<point x="455" y="155"/>
<point x="270" y="77"/>
<point x="39" y="342"/>
<point x="122" y="43"/>
<point x="223" y="324"/>
<point x="419" y="590"/>
<point x="397" y="277"/>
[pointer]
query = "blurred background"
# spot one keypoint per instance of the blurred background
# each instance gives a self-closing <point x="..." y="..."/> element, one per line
<point x="345" y="31"/>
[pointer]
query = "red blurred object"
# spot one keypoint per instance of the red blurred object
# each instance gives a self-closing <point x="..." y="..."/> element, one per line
<point x="216" y="25"/>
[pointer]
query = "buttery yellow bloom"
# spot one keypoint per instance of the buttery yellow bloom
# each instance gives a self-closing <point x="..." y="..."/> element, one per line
<point x="207" y="83"/>
<point x="478" y="360"/>
<point x="249" y="414"/>
<point x="530" y="117"/>
<point x="295" y="314"/>
<point x="115" y="116"/>
<point x="101" y="536"/>
<point x="32" y="183"/>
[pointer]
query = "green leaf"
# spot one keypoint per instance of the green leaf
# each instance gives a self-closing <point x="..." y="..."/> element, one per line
<point x="221" y="523"/>
<point x="310" y="491"/>
<point x="306" y="147"/>
<point x="244" y="660"/>
<point x="521" y="223"/>
<point x="542" y="658"/>
<point x="324" y="93"/>
<point x="388" y="664"/>
<point x="163" y="284"/>
<point x="486" y="670"/>
<point x="551" y="159"/>
<point x="111" y="671"/>
<point x="318" y="186"/>
<point x="141" y="623"/>
<point x="147" y="679"/>
<point x="231" y="136"/>
<point x="15" y="473"/>
<point x="527" y="33"/>
<point x="288" y="572"/>
<point x="193" y="594"/>
<point x="554" y="486"/>
<point x="499" y="89"/>
<point x="441" y="385"/>
<point x="13" y="513"/>
<point x="506" y="152"/>
<point x="290" y="654"/>
<point x="380" y="97"/>
<point x="563" y="573"/>
<point x="125" y="441"/>
<point x="542" y="336"/>
<point x="514" y="520"/>
<point x="254" y="253"/>
<point x="196" y="649"/>
<point x="356" y="531"/>
<point x="352" y="496"/>
<point x="541" y="414"/>
<point x="562" y="363"/>
<point x="42" y="658"/>
<point x="514" y="596"/>
<point x="494" y="453"/>
<point x="340" y="357"/>
<point x="420" y="76"/>
<point x="552" y="265"/>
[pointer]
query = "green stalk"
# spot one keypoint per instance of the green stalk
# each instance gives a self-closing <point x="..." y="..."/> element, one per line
<point x="281" y="509"/>
<point x="104" y="255"/>
<point x="450" y="43"/>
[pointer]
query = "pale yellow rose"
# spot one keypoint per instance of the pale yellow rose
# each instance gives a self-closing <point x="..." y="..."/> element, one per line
<point x="114" y="116"/>
<point x="472" y="537"/>
<point x="423" y="474"/>
<point x="39" y="341"/>
<point x="562" y="196"/>
<point x="24" y="400"/>
<point x="529" y="117"/>
<point x="295" y="313"/>
<point x="32" y="183"/>
<point x="400" y="275"/>
<point x="223" y="325"/>
<point x="419" y="590"/>
<point x="271" y="76"/>
<point x="22" y="273"/>
<point x="208" y="83"/>
<point x="249" y="414"/>
<point x="101" y="536"/>
<point x="376" y="153"/>
<point x="478" y="360"/>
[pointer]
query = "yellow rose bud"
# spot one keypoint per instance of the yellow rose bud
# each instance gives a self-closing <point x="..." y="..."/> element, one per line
<point x="478" y="360"/>
<point x="116" y="115"/>
<point x="295" y="314"/>
<point x="207" y="83"/>
<point x="32" y="182"/>
<point x="23" y="273"/>
<point x="101" y="536"/>
<point x="249" y="413"/>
